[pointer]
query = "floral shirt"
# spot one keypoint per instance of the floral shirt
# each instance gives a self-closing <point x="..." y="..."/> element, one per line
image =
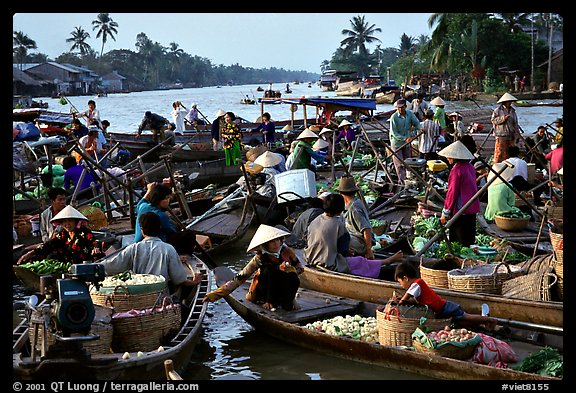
<point x="231" y="133"/>
<point x="65" y="248"/>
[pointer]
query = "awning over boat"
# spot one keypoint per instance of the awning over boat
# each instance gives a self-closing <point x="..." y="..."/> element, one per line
<point x="362" y="105"/>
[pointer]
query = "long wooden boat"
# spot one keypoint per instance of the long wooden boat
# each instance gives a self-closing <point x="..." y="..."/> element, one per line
<point x="203" y="172"/>
<point x="539" y="103"/>
<point x="547" y="313"/>
<point x="113" y="366"/>
<point x="289" y="326"/>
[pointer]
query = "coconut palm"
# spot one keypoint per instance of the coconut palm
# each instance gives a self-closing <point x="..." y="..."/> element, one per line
<point x="106" y="29"/>
<point x="360" y="35"/>
<point x="21" y="43"/>
<point x="514" y="20"/>
<point x="78" y="37"/>
<point x="174" y="55"/>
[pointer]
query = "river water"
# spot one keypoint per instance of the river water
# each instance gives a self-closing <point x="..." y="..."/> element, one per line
<point x="231" y="349"/>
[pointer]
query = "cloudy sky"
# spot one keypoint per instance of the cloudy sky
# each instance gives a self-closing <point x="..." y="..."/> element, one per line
<point x="293" y="41"/>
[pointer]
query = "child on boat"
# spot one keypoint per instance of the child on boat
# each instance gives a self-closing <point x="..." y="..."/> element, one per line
<point x="418" y="292"/>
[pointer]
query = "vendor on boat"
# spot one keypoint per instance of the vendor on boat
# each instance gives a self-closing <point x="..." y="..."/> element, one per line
<point x="74" y="244"/>
<point x="151" y="256"/>
<point x="347" y="135"/>
<point x="268" y="129"/>
<point x="57" y="196"/>
<point x="154" y="122"/>
<point x="501" y="198"/>
<point x="275" y="268"/>
<point x="301" y="157"/>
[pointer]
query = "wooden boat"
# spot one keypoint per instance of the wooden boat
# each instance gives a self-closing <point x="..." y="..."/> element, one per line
<point x="225" y="222"/>
<point x="247" y="101"/>
<point x="71" y="366"/>
<point x="525" y="103"/>
<point x="289" y="326"/>
<point x="203" y="172"/>
<point x="548" y="313"/>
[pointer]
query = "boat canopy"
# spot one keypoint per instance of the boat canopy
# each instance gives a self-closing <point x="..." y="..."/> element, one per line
<point x="363" y="105"/>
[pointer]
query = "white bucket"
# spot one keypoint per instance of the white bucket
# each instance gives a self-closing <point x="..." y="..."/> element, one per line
<point x="35" y="222"/>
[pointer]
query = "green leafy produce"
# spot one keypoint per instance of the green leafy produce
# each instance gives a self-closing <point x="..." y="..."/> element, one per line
<point x="483" y="240"/>
<point x="547" y="361"/>
<point x="427" y="227"/>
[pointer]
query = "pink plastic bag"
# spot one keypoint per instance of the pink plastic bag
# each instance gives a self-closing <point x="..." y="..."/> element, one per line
<point x="494" y="352"/>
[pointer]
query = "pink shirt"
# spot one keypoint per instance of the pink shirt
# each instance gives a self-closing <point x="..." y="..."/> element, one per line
<point x="556" y="158"/>
<point x="461" y="187"/>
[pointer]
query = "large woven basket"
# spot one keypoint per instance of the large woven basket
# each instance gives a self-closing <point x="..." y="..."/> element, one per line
<point x="534" y="286"/>
<point x="511" y="224"/>
<point x="559" y="271"/>
<point x="120" y="300"/>
<point x="145" y="330"/>
<point x="486" y="278"/>
<point x="448" y="351"/>
<point x="396" y="330"/>
<point x="435" y="273"/>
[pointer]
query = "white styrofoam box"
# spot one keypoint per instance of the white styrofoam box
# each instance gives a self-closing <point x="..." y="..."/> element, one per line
<point x="295" y="184"/>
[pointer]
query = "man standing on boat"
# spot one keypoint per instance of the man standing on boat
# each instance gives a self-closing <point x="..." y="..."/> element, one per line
<point x="154" y="122"/>
<point x="404" y="126"/>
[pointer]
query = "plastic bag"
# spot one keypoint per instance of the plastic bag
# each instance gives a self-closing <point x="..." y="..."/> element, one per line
<point x="494" y="352"/>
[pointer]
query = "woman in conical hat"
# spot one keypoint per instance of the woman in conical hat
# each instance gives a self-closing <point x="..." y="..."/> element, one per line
<point x="461" y="188"/>
<point x="501" y="198"/>
<point x="301" y="157"/>
<point x="74" y="243"/>
<point x="506" y="128"/>
<point x="275" y="268"/>
<point x="347" y="134"/>
<point x="439" y="114"/>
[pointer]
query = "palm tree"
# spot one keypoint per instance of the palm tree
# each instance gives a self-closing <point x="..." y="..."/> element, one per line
<point x="360" y="35"/>
<point x="106" y="28"/>
<point x="21" y="43"/>
<point x="514" y="20"/>
<point x="174" y="56"/>
<point x="79" y="37"/>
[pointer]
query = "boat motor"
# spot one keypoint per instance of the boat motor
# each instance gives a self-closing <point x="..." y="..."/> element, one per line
<point x="412" y="181"/>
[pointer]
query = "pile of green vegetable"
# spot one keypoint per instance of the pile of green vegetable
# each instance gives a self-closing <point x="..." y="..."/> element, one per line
<point x="514" y="213"/>
<point x="47" y="266"/>
<point x="548" y="361"/>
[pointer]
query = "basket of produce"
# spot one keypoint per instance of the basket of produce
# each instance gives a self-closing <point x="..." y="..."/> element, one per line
<point x="483" y="278"/>
<point x="451" y="343"/>
<point x="126" y="291"/>
<point x="145" y="330"/>
<point x="511" y="221"/>
<point x="396" y="323"/>
<point x="352" y="326"/>
<point x="379" y="227"/>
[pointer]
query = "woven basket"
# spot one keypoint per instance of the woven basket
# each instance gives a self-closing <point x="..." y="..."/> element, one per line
<point x="435" y="273"/>
<point x="557" y="240"/>
<point x="486" y="278"/>
<point x="96" y="217"/>
<point x="533" y="286"/>
<point x="396" y="330"/>
<point x="147" y="330"/>
<point x="511" y="224"/>
<point x="120" y="300"/>
<point x="559" y="271"/>
<point x="447" y="351"/>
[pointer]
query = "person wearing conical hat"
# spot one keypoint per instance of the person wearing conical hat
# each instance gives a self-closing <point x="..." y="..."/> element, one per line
<point x="347" y="135"/>
<point x="75" y="243"/>
<point x="404" y="126"/>
<point x="505" y="125"/>
<point x="501" y="198"/>
<point x="461" y="188"/>
<point x="456" y="127"/>
<point x="217" y="126"/>
<point x="303" y="154"/>
<point x="439" y="114"/>
<point x="275" y="268"/>
<point x="269" y="162"/>
<point x="321" y="146"/>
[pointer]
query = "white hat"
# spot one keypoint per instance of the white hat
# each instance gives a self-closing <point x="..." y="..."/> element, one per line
<point x="455" y="114"/>
<point x="307" y="134"/>
<point x="325" y="130"/>
<point x="345" y="123"/>
<point x="324" y="194"/>
<point x="319" y="145"/>
<point x="437" y="101"/>
<point x="69" y="212"/>
<point x="507" y="97"/>
<point x="264" y="234"/>
<point x="507" y="174"/>
<point x="560" y="171"/>
<point x="456" y="150"/>
<point x="220" y="113"/>
<point x="268" y="159"/>
<point x="287" y="127"/>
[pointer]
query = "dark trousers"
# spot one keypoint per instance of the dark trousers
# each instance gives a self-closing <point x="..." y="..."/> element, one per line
<point x="463" y="230"/>
<point x="277" y="287"/>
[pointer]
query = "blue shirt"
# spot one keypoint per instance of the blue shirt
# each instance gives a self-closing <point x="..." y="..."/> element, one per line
<point x="268" y="131"/>
<point x="166" y="225"/>
<point x="72" y="178"/>
<point x="401" y="127"/>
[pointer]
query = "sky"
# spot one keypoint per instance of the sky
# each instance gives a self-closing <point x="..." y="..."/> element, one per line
<point x="293" y="41"/>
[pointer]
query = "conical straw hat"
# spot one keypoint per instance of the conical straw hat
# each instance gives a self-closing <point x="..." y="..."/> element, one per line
<point x="456" y="150"/>
<point x="68" y="212"/>
<point x="325" y="130"/>
<point x="268" y="159"/>
<point x="287" y="127"/>
<point x="319" y="145"/>
<point x="507" y="97"/>
<point x="507" y="174"/>
<point x="220" y="113"/>
<point x="307" y="134"/>
<point x="344" y="123"/>
<point x="437" y="101"/>
<point x="264" y="234"/>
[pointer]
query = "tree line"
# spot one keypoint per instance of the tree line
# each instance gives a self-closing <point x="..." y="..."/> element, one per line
<point x="476" y="45"/>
